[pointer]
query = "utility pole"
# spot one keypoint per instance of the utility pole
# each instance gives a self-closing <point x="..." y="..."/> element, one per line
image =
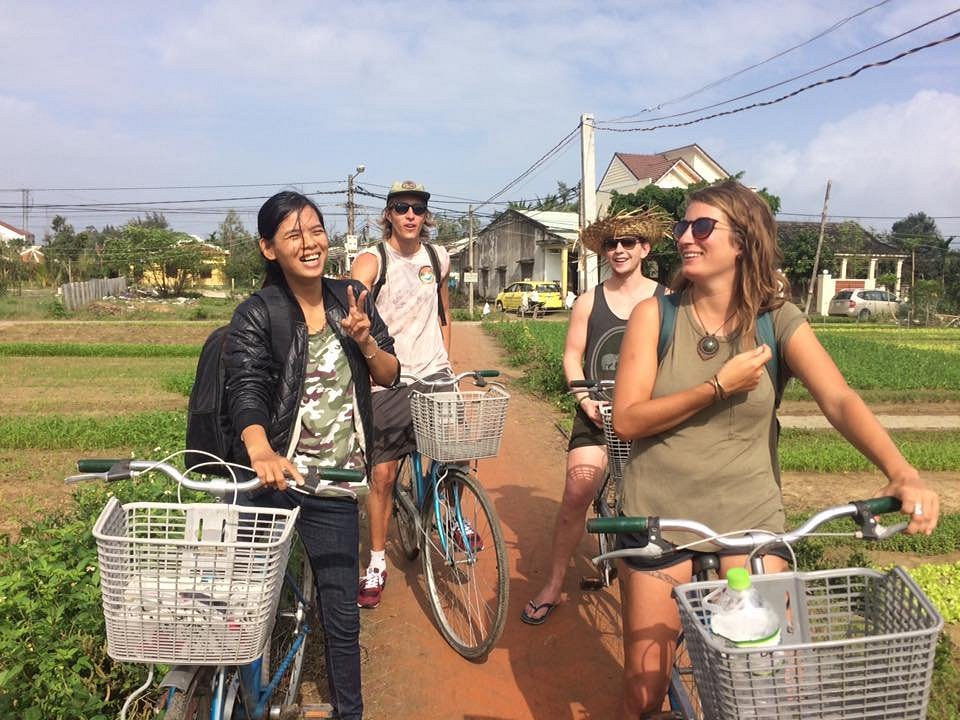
<point x="588" y="196"/>
<point x="25" y="211"/>
<point x="350" y="245"/>
<point x="470" y="257"/>
<point x="816" y="258"/>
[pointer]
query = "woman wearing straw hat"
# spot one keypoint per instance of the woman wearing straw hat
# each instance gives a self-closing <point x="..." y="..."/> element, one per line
<point x="592" y="347"/>
<point x="702" y="418"/>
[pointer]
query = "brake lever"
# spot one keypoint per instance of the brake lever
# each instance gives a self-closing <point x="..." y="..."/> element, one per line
<point x="882" y="533"/>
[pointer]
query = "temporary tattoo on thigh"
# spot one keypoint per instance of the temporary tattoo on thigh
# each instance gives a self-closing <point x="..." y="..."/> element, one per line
<point x="660" y="575"/>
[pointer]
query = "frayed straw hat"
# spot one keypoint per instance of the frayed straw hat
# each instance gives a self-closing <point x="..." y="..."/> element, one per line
<point x="647" y="225"/>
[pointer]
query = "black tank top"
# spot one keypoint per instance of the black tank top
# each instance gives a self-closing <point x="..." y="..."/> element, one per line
<point x="604" y="336"/>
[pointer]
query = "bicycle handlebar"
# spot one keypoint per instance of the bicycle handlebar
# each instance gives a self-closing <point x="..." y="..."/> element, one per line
<point x="477" y="375"/>
<point x="862" y="512"/>
<point x="112" y="470"/>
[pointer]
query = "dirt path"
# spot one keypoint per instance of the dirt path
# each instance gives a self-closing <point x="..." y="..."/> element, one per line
<point x="569" y="667"/>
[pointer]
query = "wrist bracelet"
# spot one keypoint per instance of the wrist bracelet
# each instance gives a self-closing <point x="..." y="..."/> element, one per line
<point x="372" y="355"/>
<point x="720" y="391"/>
<point x="712" y="382"/>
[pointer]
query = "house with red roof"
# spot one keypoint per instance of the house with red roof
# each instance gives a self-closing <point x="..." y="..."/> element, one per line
<point x="9" y="233"/>
<point x="680" y="167"/>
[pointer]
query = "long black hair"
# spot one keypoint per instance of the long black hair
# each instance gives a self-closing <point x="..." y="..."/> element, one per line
<point x="271" y="216"/>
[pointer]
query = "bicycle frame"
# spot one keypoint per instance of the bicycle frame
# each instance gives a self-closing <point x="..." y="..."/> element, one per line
<point x="437" y="471"/>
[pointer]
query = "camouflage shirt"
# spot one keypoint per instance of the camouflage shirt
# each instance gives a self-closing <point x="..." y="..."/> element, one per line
<point x="329" y="435"/>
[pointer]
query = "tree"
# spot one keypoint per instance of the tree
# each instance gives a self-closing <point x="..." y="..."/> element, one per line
<point x="798" y="256"/>
<point x="244" y="263"/>
<point x="918" y="234"/>
<point x="158" y="256"/>
<point x="63" y="250"/>
<point x="951" y="282"/>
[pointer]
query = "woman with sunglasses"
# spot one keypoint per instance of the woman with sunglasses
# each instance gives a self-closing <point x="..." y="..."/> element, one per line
<point x="593" y="343"/>
<point x="703" y="419"/>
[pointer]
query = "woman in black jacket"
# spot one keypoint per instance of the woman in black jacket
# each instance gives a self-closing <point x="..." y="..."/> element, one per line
<point x="311" y="410"/>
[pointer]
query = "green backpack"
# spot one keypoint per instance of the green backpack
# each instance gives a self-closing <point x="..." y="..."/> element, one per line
<point x="669" y="304"/>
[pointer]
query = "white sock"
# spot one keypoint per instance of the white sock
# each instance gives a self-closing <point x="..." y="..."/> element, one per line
<point x="378" y="559"/>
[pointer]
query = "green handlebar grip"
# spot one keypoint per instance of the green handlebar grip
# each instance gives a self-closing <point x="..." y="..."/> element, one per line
<point x="95" y="465"/>
<point x="617" y="525"/>
<point x="488" y="373"/>
<point x="881" y="505"/>
<point x="340" y="474"/>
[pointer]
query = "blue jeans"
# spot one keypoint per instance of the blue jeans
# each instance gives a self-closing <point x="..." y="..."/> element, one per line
<point x="330" y="531"/>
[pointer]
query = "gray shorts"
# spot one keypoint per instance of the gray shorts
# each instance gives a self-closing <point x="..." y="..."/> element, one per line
<point x="393" y="436"/>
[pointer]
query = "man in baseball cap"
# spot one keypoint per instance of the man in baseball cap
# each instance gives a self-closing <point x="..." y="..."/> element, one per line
<point x="407" y="277"/>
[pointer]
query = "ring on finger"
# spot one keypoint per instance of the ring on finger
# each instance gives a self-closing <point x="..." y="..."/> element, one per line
<point x="917" y="510"/>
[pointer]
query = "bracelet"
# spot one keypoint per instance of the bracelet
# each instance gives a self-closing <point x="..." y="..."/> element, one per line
<point x="371" y="356"/>
<point x="720" y="391"/>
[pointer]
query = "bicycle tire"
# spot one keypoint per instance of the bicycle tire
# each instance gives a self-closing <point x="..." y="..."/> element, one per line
<point x="195" y="703"/>
<point x="293" y="614"/>
<point x="682" y="693"/>
<point x="405" y="508"/>
<point x="605" y="504"/>
<point x="468" y="591"/>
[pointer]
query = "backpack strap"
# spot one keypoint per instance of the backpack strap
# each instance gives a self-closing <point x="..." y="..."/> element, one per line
<point x="668" y="304"/>
<point x="435" y="261"/>
<point x="381" y="273"/>
<point x="767" y="336"/>
<point x="278" y="309"/>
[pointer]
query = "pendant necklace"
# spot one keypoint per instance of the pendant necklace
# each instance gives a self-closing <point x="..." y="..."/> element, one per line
<point x="708" y="345"/>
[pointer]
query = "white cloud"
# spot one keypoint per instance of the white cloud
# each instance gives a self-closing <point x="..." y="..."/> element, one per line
<point x="885" y="160"/>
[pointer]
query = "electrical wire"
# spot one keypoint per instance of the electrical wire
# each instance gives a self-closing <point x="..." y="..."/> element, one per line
<point x="789" y="80"/>
<point x="780" y="54"/>
<point x="734" y="111"/>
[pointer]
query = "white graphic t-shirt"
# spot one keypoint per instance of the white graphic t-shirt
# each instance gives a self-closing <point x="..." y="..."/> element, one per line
<point x="408" y="304"/>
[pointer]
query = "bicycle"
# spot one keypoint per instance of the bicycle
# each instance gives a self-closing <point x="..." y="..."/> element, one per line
<point x="207" y="589"/>
<point x="444" y="515"/>
<point x="855" y="643"/>
<point x="606" y="503"/>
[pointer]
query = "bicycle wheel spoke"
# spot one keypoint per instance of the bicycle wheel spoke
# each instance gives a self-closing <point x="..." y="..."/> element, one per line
<point x="404" y="512"/>
<point x="292" y="617"/>
<point x="465" y="566"/>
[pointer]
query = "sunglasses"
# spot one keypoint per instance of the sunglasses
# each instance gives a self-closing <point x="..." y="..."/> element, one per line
<point x="699" y="228"/>
<point x="628" y="243"/>
<point x="401" y="208"/>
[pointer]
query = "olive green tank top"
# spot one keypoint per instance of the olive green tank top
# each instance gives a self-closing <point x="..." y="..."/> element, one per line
<point x="720" y="465"/>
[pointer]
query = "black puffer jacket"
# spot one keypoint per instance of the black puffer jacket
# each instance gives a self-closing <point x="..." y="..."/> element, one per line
<point x="259" y="392"/>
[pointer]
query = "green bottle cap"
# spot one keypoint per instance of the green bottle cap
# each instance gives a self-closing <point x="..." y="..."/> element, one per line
<point x="738" y="578"/>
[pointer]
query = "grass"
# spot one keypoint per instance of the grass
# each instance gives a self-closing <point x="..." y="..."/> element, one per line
<point x="827" y="451"/>
<point x="146" y="434"/>
<point x="43" y="349"/>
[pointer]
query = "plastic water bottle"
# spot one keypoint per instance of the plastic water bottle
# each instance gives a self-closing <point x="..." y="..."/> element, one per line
<point x="740" y="615"/>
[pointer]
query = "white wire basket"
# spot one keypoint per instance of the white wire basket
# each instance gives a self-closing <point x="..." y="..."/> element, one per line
<point x="190" y="584"/>
<point x="855" y="644"/>
<point x="456" y="426"/>
<point x="618" y="451"/>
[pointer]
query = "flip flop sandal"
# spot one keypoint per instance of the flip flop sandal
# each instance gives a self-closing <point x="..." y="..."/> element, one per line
<point x="529" y="618"/>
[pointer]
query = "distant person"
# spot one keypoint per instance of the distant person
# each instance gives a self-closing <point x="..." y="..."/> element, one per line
<point x="591" y="351"/>
<point x="486" y="309"/>
<point x="314" y="410"/>
<point x="703" y="422"/>
<point x="419" y="320"/>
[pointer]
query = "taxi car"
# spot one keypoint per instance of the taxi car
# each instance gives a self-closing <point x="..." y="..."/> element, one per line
<point x="548" y="290"/>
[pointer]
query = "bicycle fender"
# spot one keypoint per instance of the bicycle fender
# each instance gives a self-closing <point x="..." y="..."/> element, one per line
<point x="179" y="677"/>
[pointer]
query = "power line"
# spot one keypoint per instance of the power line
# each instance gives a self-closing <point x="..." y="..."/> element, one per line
<point x="753" y="106"/>
<point x="788" y="80"/>
<point x="176" y="187"/>
<point x="780" y="54"/>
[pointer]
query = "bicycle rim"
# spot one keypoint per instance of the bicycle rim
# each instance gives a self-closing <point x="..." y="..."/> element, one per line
<point x="293" y="614"/>
<point x="684" y="698"/>
<point x="467" y="589"/>
<point x="193" y="704"/>
<point x="405" y="508"/>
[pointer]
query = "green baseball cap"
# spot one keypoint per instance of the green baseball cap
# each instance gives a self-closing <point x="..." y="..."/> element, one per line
<point x="408" y="187"/>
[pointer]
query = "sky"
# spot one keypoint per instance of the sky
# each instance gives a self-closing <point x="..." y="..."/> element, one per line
<point x="112" y="109"/>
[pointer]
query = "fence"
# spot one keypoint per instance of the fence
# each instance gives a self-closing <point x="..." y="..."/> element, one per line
<point x="79" y="294"/>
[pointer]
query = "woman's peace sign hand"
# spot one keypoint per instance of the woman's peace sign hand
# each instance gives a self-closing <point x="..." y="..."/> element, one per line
<point x="357" y="323"/>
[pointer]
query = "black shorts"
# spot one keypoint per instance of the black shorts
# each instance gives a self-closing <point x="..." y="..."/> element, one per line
<point x="584" y="432"/>
<point x="674" y="557"/>
<point x="393" y="436"/>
